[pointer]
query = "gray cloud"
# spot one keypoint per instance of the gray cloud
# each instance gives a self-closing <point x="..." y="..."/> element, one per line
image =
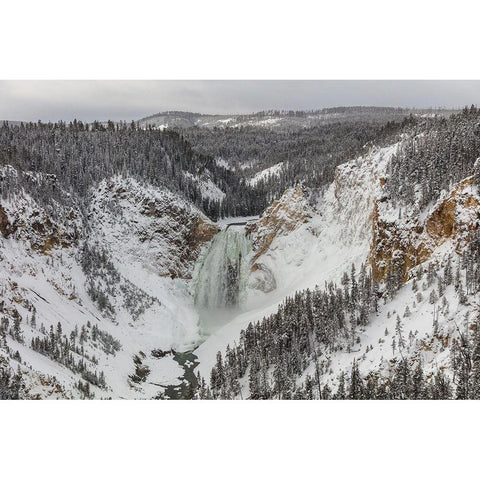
<point x="51" y="100"/>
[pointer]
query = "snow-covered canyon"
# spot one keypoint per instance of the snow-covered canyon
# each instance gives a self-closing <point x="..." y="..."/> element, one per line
<point x="152" y="278"/>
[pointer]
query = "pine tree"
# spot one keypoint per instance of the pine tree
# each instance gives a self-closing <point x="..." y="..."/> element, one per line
<point x="17" y="331"/>
<point x="399" y="333"/>
<point x="341" y="395"/>
<point x="448" y="271"/>
<point x="356" y="383"/>
<point x="418" y="391"/>
<point x="59" y="331"/>
<point x="475" y="372"/>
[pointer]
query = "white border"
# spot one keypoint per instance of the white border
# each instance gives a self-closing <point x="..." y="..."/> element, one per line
<point x="239" y="440"/>
<point x="252" y="39"/>
<point x="238" y="40"/>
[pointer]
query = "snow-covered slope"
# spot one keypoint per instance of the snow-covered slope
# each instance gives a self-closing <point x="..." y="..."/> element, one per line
<point x="144" y="225"/>
<point x="298" y="246"/>
<point x="428" y="327"/>
<point x="83" y="298"/>
<point x="266" y="174"/>
<point x="278" y="119"/>
<point x="208" y="189"/>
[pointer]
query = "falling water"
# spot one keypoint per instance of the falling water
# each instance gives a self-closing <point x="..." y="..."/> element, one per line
<point x="222" y="276"/>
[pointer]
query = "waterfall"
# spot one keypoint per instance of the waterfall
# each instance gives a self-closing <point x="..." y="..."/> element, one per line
<point x="223" y="272"/>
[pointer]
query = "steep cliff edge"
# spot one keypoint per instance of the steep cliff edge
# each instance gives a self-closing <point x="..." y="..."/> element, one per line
<point x="306" y="239"/>
<point x="280" y="219"/>
<point x="148" y="225"/>
<point x="24" y="219"/>
<point x="404" y="238"/>
<point x="319" y="234"/>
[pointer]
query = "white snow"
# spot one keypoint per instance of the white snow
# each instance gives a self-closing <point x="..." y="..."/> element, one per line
<point x="273" y="171"/>
<point x="322" y="249"/>
<point x="208" y="189"/>
<point x="221" y="162"/>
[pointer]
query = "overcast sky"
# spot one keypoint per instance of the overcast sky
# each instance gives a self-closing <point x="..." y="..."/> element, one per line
<point x="47" y="100"/>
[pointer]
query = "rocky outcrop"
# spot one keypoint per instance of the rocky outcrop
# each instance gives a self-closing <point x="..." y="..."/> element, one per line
<point x="149" y="225"/>
<point x="409" y="240"/>
<point x="458" y="216"/>
<point x="30" y="223"/>
<point x="4" y="223"/>
<point x="280" y="218"/>
<point x="393" y="245"/>
<point x="262" y="278"/>
<point x="202" y="231"/>
<point x="50" y="235"/>
<point x="24" y="217"/>
<point x="441" y="222"/>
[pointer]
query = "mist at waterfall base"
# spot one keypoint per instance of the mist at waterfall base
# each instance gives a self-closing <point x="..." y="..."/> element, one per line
<point x="221" y="279"/>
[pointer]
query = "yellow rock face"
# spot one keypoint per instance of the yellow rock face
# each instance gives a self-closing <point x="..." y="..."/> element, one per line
<point x="455" y="218"/>
<point x="282" y="216"/>
<point x="202" y="232"/>
<point x="4" y="223"/>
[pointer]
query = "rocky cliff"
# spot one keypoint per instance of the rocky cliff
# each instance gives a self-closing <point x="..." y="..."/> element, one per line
<point x="149" y="225"/>
<point x="406" y="237"/>
<point x="281" y="218"/>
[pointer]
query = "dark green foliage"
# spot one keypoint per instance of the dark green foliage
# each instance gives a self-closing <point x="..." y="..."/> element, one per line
<point x="70" y="351"/>
<point x="74" y="157"/>
<point x="11" y="384"/>
<point x="278" y="349"/>
<point x="141" y="371"/>
<point x="439" y="153"/>
<point x="103" y="280"/>
<point x="275" y="353"/>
